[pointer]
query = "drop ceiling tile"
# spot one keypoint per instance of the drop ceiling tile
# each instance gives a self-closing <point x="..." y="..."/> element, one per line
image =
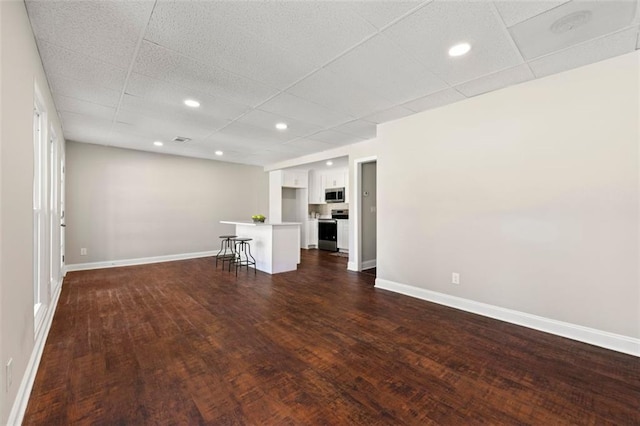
<point x="289" y="148"/>
<point x="230" y="140"/>
<point x="586" y="53"/>
<point x="163" y="127"/>
<point x="164" y="64"/>
<point x="253" y="160"/>
<point x="143" y="135"/>
<point x="96" y="139"/>
<point x="308" y="146"/>
<point x="204" y="30"/>
<point x="171" y="95"/>
<point x="432" y="30"/>
<point x="129" y="140"/>
<point x="444" y="97"/>
<point x="228" y="155"/>
<point x="515" y="11"/>
<point x="81" y="128"/>
<point x="338" y="93"/>
<point x="382" y="68"/>
<point x="389" y="115"/>
<point x="196" y="149"/>
<point x="301" y="109"/>
<point x="60" y="61"/>
<point x="247" y="135"/>
<point x="536" y="37"/>
<point x="171" y="112"/>
<point x="496" y="81"/>
<point x="381" y="13"/>
<point x="104" y="30"/>
<point x="267" y="121"/>
<point x="314" y="31"/>
<point x="75" y="118"/>
<point x="124" y="136"/>
<point x="67" y="104"/>
<point x="360" y="128"/>
<point x="266" y="156"/>
<point x="83" y="90"/>
<point x="335" y="138"/>
<point x="228" y="148"/>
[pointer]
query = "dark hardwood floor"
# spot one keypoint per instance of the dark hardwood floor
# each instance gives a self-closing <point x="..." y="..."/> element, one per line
<point x="184" y="343"/>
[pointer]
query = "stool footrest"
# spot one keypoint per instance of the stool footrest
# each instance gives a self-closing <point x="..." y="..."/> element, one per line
<point x="242" y="254"/>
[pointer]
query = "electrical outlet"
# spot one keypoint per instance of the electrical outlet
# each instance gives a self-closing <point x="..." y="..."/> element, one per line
<point x="83" y="251"/>
<point x="455" y="278"/>
<point x="9" y="373"/>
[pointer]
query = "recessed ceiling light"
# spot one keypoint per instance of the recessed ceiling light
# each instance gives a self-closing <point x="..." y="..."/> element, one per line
<point x="219" y="152"/>
<point x="191" y="103"/>
<point x="459" y="49"/>
<point x="329" y="163"/>
<point x="158" y="143"/>
<point x="281" y="126"/>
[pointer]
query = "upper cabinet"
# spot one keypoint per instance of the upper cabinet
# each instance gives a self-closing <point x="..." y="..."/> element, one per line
<point x="335" y="179"/>
<point x="321" y="180"/>
<point x="294" y="178"/>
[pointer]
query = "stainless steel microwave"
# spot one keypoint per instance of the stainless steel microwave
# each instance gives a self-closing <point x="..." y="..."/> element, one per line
<point x="334" y="195"/>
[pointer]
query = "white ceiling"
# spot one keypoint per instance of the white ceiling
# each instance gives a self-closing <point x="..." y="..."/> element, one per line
<point x="332" y="70"/>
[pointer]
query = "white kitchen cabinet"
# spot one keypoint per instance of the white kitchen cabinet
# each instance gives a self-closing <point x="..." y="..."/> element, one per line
<point x="343" y="234"/>
<point x="316" y="189"/>
<point x="338" y="179"/>
<point x="312" y="233"/>
<point x="334" y="179"/>
<point x="294" y="178"/>
<point x="319" y="181"/>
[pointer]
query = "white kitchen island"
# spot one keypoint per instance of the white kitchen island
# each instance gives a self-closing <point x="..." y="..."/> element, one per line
<point x="275" y="246"/>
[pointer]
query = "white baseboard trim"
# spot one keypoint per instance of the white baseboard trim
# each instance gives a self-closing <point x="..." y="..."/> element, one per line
<point x="138" y="261"/>
<point x="26" y="384"/>
<point x="368" y="264"/>
<point x="604" y="339"/>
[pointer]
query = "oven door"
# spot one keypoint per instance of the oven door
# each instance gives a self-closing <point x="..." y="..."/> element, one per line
<point x="328" y="235"/>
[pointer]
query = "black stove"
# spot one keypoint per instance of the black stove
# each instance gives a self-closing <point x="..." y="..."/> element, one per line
<point x="328" y="230"/>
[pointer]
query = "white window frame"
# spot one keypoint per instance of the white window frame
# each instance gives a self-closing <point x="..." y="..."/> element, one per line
<point x="40" y="213"/>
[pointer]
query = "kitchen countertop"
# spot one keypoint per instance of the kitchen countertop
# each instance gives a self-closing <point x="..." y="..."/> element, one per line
<point x="252" y="223"/>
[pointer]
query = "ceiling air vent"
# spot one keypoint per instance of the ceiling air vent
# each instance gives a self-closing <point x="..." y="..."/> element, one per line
<point x="181" y="139"/>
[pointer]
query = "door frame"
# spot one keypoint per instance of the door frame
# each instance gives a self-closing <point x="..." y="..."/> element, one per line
<point x="355" y="214"/>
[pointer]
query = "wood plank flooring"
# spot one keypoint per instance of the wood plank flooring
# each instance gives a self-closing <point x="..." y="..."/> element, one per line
<point x="184" y="343"/>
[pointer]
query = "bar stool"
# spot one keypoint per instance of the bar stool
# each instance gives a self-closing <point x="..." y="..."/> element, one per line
<point x="242" y="247"/>
<point x="225" y="244"/>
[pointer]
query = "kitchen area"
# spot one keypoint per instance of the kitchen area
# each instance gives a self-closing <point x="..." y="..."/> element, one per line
<point x="317" y="197"/>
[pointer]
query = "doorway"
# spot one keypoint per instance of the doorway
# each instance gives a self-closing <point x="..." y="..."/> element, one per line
<point x="365" y="206"/>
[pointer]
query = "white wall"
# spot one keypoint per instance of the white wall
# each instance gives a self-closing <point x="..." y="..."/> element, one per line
<point x="531" y="193"/>
<point x="289" y="205"/>
<point x="20" y="68"/>
<point x="125" y="204"/>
